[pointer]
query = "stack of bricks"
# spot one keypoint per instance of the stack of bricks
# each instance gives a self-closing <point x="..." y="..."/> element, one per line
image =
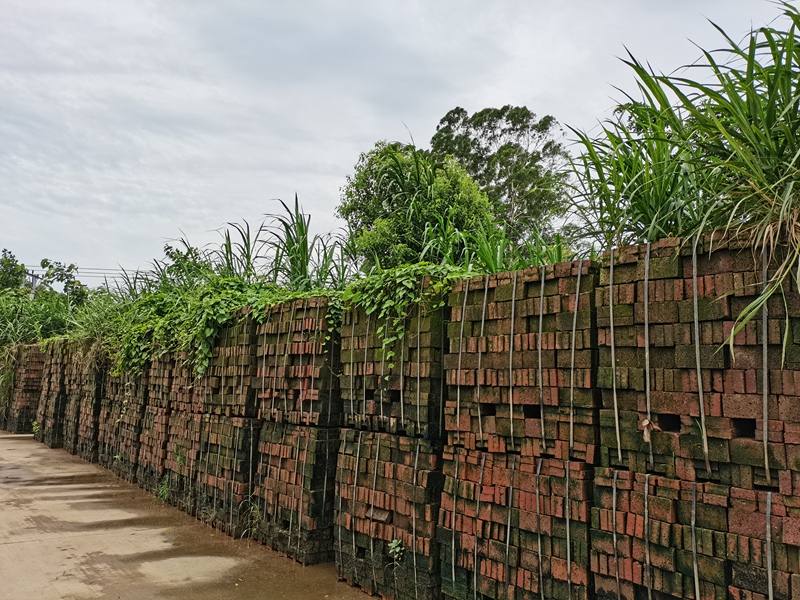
<point x="152" y="454"/>
<point x="120" y="438"/>
<point x="226" y="386"/>
<point x="183" y="453"/>
<point x="186" y="394"/>
<point x="226" y="461"/>
<point x="389" y="474"/>
<point x="398" y="387"/>
<point x="74" y="372"/>
<point x="388" y="489"/>
<point x="52" y="403"/>
<point x="521" y="423"/>
<point x="24" y="399"/>
<point x="294" y="483"/>
<point x="720" y="448"/>
<point x="89" y="407"/>
<point x="297" y="365"/>
<point x="297" y="389"/>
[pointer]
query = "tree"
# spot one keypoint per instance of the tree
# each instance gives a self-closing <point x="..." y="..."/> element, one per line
<point x="515" y="158"/>
<point x="395" y="192"/>
<point x="12" y="273"/>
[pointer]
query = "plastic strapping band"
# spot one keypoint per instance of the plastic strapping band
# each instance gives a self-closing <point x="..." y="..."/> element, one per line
<point x="339" y="478"/>
<point x="419" y="363"/>
<point x="477" y="522"/>
<point x="765" y="371"/>
<point x="647" y="346"/>
<point x="275" y="367"/>
<point x="478" y="374"/>
<point x="539" y="528"/>
<point x="313" y="338"/>
<point x="352" y="362"/>
<point x="770" y="591"/>
<point x="289" y="339"/>
<point x="302" y="488"/>
<point x="567" y="521"/>
<point x="353" y="503"/>
<point x="541" y="368"/>
<point x="694" y="543"/>
<point x="453" y="524"/>
<point x="510" y="502"/>
<point x="511" y="360"/>
<point x="614" y="531"/>
<point x="372" y="514"/>
<point x="414" y="522"/>
<point x="383" y="362"/>
<point x="648" y="571"/>
<point x="458" y="373"/>
<point x="264" y="358"/>
<point x="701" y="399"/>
<point x="364" y="374"/>
<point x="403" y="377"/>
<point x="613" y="354"/>
<point x="572" y="361"/>
<point x="233" y="475"/>
<point x="303" y="351"/>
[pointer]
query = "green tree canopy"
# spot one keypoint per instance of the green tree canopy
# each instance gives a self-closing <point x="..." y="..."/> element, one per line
<point x="514" y="156"/>
<point x="394" y="194"/>
<point x="12" y="273"/>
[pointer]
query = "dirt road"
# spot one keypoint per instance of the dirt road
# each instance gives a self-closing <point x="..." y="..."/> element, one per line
<point x="69" y="529"/>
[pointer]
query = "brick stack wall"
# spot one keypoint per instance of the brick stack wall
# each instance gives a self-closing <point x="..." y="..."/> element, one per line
<point x="521" y="435"/>
<point x="50" y="413"/>
<point x="389" y="473"/>
<point x="297" y="388"/>
<point x="26" y="390"/>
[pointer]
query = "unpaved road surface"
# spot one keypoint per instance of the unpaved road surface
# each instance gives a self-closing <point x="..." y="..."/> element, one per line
<point x="69" y="529"/>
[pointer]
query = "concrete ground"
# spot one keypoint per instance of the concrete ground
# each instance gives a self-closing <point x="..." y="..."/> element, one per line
<point x="69" y="529"/>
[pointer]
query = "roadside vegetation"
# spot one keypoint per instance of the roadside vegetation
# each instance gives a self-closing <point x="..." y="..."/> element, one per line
<point x="713" y="147"/>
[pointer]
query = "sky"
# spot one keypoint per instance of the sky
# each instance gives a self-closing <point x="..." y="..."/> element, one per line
<point x="127" y="124"/>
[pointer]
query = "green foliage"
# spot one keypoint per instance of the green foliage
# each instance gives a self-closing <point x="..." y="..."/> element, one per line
<point x="514" y="156"/>
<point x="12" y="273"/>
<point x="395" y="192"/>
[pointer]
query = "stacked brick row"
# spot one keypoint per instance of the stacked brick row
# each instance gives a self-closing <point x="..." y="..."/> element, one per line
<point x="74" y="373"/>
<point x="297" y="390"/>
<point x="26" y="390"/>
<point x="395" y="387"/>
<point x="388" y="489"/>
<point x="389" y="476"/>
<point x="298" y="364"/>
<point x="225" y="472"/>
<point x="182" y="455"/>
<point x="521" y="422"/>
<point x="50" y="413"/>
<point x="294" y="488"/>
<point x="124" y="402"/>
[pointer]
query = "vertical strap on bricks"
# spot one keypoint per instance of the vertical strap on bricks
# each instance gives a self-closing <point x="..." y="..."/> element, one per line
<point x="539" y="527"/>
<point x="364" y="374"/>
<point x="233" y="478"/>
<point x="765" y="370"/>
<point x="383" y="362"/>
<point x="694" y="543"/>
<point x="541" y="369"/>
<point x="277" y="357"/>
<point x="264" y="357"/>
<point x="403" y="377"/>
<point x="419" y="363"/>
<point x="510" y="502"/>
<point x="458" y="372"/>
<point x="303" y="350"/>
<point x="567" y="521"/>
<point x="289" y="339"/>
<point x="340" y="479"/>
<point x="701" y="399"/>
<point x="614" y="531"/>
<point x="453" y="524"/>
<point x="648" y="570"/>
<point x="572" y="361"/>
<point x="613" y="353"/>
<point x="511" y="360"/>
<point x="477" y="522"/>
<point x="480" y="355"/>
<point x="294" y="490"/>
<point x="372" y="516"/>
<point x="313" y="338"/>
<point x="302" y="489"/>
<point x="352" y="362"/>
<point x="414" y="521"/>
<point x="647" y="347"/>
<point x="353" y="504"/>
<point x="770" y="591"/>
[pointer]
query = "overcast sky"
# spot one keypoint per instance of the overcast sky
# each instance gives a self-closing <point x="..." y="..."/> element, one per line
<point x="125" y="123"/>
